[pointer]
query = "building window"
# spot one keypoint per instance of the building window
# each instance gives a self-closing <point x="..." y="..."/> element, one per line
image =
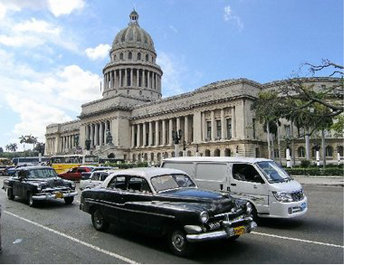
<point x="329" y="151"/>
<point x="207" y="152"/>
<point x="257" y="151"/>
<point x="139" y="56"/>
<point x="301" y="151"/>
<point x="276" y="153"/>
<point x="254" y="128"/>
<point x="114" y="57"/>
<point x="121" y="56"/>
<point x="229" y="128"/>
<point x="130" y="56"/>
<point x="147" y="57"/>
<point x="287" y="130"/>
<point x="341" y="150"/>
<point x="218" y="129"/>
<point x="208" y="130"/>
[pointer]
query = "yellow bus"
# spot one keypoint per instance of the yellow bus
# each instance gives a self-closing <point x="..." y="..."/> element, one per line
<point x="62" y="163"/>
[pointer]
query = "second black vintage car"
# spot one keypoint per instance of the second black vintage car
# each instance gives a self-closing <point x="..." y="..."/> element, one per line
<point x="166" y="202"/>
<point x="35" y="183"/>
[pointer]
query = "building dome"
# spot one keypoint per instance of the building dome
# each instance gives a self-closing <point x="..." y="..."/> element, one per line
<point x="133" y="36"/>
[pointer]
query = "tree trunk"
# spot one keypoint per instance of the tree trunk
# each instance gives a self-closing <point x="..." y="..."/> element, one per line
<point x="323" y="148"/>
<point x="307" y="144"/>
<point x="268" y="139"/>
<point x="293" y="146"/>
<point x="279" y="144"/>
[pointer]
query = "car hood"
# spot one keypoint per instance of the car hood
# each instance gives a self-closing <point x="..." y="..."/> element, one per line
<point x="49" y="182"/>
<point x="290" y="186"/>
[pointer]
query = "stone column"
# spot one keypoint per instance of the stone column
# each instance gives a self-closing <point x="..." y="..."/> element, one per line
<point x="212" y="125"/>
<point x="223" y="124"/>
<point x="96" y="142"/>
<point x="148" y="73"/>
<point x="119" y="77"/>
<point x="186" y="131"/>
<point x="233" y="129"/>
<point x="170" y="131"/>
<point x="133" y="136"/>
<point x="92" y="135"/>
<point x="204" y="126"/>
<point x="157" y="134"/>
<point x="178" y="124"/>
<point x="101" y="134"/>
<point x="138" y="135"/>
<point x="150" y="143"/>
<point x="137" y="77"/>
<point x="163" y="132"/>
<point x="144" y="134"/>
<point x="155" y="81"/>
<point x="143" y="79"/>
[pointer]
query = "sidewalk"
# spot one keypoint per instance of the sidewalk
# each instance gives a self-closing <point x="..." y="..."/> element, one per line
<point x="320" y="180"/>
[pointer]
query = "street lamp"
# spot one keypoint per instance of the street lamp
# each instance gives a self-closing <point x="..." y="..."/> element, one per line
<point x="176" y="136"/>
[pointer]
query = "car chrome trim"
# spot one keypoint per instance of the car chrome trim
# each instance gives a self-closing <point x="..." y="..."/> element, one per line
<point x="118" y="206"/>
<point x="52" y="195"/>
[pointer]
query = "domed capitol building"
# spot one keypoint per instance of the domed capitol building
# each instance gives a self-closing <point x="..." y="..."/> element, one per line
<point x="133" y="122"/>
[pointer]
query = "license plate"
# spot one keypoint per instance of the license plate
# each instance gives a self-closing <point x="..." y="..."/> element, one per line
<point x="239" y="230"/>
<point x="59" y="195"/>
<point x="303" y="206"/>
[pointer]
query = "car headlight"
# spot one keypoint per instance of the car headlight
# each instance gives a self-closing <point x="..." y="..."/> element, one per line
<point x="248" y="208"/>
<point x="203" y="217"/>
<point x="282" y="196"/>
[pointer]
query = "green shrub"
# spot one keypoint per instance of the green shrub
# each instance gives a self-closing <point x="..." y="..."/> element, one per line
<point x="315" y="171"/>
<point x="305" y="163"/>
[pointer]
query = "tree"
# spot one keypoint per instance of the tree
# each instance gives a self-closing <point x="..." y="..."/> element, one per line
<point x="28" y="139"/>
<point x="1" y="150"/>
<point x="40" y="148"/>
<point x="11" y="147"/>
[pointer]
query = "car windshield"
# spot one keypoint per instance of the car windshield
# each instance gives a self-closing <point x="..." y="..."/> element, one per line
<point x="170" y="182"/>
<point x="273" y="172"/>
<point x="42" y="173"/>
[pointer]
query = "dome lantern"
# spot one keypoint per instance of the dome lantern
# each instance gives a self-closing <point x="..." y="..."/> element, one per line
<point x="133" y="16"/>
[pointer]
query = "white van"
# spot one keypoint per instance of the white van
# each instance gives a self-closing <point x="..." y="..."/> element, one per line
<point x="261" y="181"/>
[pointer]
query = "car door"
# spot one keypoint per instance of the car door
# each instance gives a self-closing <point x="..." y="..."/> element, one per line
<point x="114" y="198"/>
<point x="19" y="185"/>
<point x="247" y="182"/>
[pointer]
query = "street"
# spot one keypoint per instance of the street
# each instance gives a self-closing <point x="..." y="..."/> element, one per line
<point x="54" y="232"/>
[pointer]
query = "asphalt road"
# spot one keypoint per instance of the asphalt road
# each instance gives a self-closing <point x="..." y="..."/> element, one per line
<point x="58" y="233"/>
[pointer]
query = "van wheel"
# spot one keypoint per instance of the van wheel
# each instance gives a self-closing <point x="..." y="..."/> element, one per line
<point x="98" y="220"/>
<point x="178" y="243"/>
<point x="10" y="194"/>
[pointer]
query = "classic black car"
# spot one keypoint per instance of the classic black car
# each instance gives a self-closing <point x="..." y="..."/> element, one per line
<point x="166" y="202"/>
<point x="35" y="183"/>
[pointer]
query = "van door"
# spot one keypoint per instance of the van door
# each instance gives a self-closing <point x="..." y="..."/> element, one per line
<point x="246" y="181"/>
<point x="211" y="176"/>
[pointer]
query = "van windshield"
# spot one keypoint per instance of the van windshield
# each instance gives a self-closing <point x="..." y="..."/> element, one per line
<point x="273" y="172"/>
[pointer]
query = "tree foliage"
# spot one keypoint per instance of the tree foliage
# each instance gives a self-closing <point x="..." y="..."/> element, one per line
<point x="11" y="147"/>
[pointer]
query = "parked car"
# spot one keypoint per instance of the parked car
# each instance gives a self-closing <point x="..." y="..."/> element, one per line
<point x="261" y="181"/>
<point x="86" y="175"/>
<point x="3" y="170"/>
<point x="96" y="178"/>
<point x="36" y="183"/>
<point x="166" y="202"/>
<point x="75" y="173"/>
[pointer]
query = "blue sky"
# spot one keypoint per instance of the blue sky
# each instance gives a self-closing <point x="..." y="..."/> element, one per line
<point x="52" y="52"/>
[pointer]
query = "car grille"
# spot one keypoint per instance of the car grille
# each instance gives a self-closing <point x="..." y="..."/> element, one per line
<point x="297" y="196"/>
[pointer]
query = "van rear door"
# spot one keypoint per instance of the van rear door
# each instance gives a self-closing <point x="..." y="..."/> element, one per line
<point x="246" y="181"/>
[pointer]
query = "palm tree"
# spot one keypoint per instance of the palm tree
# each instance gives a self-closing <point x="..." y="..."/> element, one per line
<point x="11" y="147"/>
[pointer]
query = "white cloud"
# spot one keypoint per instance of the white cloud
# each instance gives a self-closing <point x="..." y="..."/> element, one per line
<point x="99" y="52"/>
<point x="34" y="33"/>
<point x="229" y="16"/>
<point x="41" y="98"/>
<point x="174" y="70"/>
<point x="64" y="7"/>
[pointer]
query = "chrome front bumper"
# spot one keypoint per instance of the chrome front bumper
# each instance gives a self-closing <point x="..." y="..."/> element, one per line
<point x="225" y="232"/>
<point x="53" y="195"/>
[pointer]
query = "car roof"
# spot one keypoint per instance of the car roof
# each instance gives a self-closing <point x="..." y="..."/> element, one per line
<point x="229" y="159"/>
<point x="33" y="167"/>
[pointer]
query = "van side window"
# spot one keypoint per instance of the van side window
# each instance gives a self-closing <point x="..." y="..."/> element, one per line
<point x="245" y="172"/>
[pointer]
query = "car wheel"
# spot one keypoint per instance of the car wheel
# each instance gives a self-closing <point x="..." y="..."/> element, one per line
<point x="179" y="244"/>
<point x="10" y="194"/>
<point x="29" y="199"/>
<point x="69" y="200"/>
<point x="232" y="238"/>
<point x="98" y="220"/>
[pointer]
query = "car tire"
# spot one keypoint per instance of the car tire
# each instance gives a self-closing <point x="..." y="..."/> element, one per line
<point x="232" y="238"/>
<point x="98" y="220"/>
<point x="69" y="200"/>
<point x="178" y="243"/>
<point x="10" y="194"/>
<point x="29" y="200"/>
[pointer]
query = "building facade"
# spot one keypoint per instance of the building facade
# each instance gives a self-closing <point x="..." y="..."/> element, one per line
<point x="133" y="122"/>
